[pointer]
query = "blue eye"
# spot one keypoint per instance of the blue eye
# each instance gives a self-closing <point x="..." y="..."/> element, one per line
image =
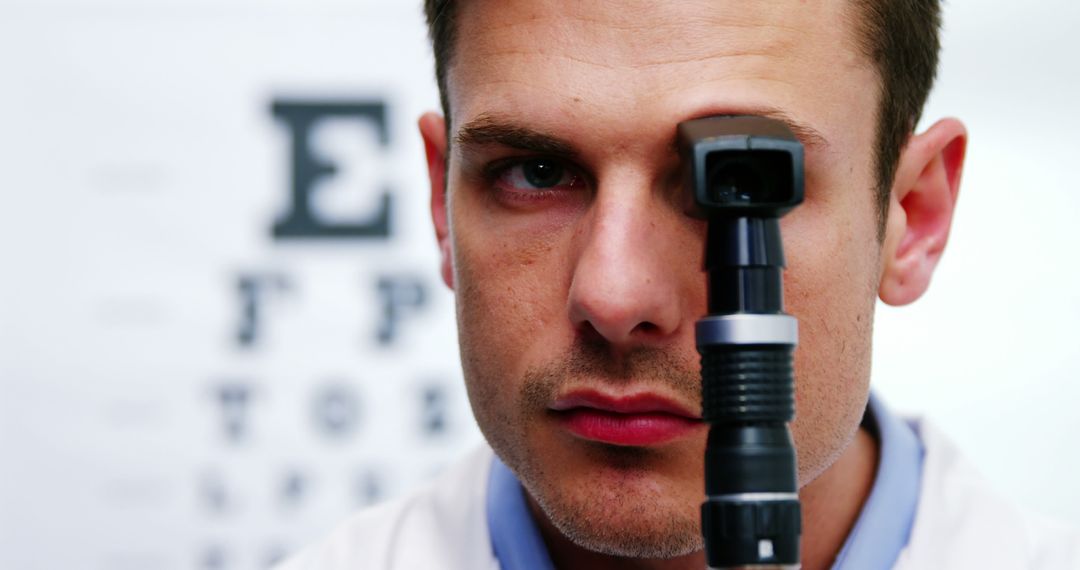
<point x="542" y="173"/>
<point x="536" y="174"/>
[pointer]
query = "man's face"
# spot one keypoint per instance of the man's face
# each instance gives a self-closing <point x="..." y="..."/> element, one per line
<point x="578" y="277"/>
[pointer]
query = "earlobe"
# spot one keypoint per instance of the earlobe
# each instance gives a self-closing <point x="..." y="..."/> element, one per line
<point x="921" y="210"/>
<point x="433" y="131"/>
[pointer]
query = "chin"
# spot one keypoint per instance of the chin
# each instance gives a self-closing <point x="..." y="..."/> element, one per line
<point x="611" y="502"/>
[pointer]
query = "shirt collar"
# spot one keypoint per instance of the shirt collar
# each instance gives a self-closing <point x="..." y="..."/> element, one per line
<point x="879" y="534"/>
<point x="884" y="525"/>
<point x="515" y="539"/>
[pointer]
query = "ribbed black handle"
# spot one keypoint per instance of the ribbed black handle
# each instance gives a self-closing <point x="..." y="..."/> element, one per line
<point x="747" y="383"/>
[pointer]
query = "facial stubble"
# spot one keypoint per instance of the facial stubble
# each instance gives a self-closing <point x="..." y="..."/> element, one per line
<point x="628" y="514"/>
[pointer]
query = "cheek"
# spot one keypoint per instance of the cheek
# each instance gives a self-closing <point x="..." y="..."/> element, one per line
<point x="510" y="295"/>
<point x="510" y="303"/>
<point x="830" y="287"/>
<point x="504" y="286"/>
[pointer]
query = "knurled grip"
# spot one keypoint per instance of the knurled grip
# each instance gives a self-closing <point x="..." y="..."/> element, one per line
<point x="747" y="384"/>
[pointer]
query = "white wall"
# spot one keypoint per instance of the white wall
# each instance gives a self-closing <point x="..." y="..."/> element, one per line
<point x="992" y="352"/>
<point x="141" y="170"/>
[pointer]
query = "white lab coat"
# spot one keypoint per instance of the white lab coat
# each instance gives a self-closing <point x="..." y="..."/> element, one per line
<point x="959" y="524"/>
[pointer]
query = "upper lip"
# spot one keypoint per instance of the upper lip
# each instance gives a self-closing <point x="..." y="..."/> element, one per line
<point x="639" y="403"/>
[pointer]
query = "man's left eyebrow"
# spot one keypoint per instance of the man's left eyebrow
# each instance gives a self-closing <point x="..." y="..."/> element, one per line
<point x="487" y="130"/>
<point x="806" y="134"/>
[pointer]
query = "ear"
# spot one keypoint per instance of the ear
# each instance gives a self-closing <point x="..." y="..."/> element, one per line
<point x="921" y="208"/>
<point x="433" y="130"/>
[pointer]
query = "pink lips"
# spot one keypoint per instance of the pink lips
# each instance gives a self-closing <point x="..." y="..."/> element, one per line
<point x="639" y="420"/>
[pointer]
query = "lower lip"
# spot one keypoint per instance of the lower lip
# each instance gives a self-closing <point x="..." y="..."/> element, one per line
<point x="627" y="429"/>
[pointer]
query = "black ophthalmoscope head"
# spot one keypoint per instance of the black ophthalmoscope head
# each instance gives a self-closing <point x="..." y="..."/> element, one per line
<point x="742" y="174"/>
<point x="740" y="166"/>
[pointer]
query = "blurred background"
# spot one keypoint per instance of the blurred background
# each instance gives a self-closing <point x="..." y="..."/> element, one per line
<point x="221" y="326"/>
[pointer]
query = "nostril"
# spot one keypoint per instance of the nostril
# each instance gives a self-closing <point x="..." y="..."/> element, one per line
<point x="645" y="327"/>
<point x="589" y="334"/>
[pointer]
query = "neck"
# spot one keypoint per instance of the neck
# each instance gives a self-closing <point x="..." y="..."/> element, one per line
<point x="830" y="506"/>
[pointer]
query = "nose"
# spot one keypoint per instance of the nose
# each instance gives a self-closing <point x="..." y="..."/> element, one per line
<point x="630" y="278"/>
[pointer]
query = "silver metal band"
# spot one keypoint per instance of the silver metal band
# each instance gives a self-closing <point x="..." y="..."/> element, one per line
<point x="748" y="329"/>
<point x="758" y="567"/>
<point x="755" y="497"/>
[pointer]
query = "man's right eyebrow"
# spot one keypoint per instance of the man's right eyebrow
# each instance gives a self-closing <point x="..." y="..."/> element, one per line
<point x="486" y="130"/>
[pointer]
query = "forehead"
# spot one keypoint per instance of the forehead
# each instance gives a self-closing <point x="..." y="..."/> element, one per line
<point x="642" y="65"/>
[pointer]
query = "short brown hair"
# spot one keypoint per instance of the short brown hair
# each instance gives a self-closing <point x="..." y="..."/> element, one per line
<point x="900" y="38"/>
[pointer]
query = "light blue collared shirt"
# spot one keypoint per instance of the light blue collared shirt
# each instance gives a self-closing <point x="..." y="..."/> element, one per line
<point x="880" y="533"/>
